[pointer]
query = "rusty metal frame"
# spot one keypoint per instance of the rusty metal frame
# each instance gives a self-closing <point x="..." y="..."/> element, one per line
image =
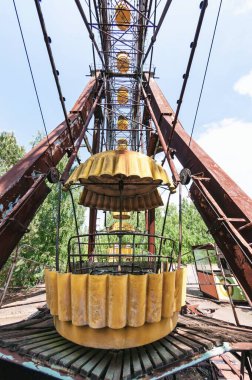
<point x="218" y="192"/>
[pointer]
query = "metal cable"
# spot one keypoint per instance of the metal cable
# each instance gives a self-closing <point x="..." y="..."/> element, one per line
<point x="33" y="81"/>
<point x="203" y="6"/>
<point x="204" y="78"/>
<point x="54" y="70"/>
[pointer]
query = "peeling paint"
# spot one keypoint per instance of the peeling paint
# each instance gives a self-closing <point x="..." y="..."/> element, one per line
<point x="205" y="356"/>
<point x="36" y="367"/>
<point x="9" y="208"/>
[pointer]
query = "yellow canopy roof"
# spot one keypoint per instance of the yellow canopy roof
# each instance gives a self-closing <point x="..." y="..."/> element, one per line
<point x="108" y="203"/>
<point x="102" y="172"/>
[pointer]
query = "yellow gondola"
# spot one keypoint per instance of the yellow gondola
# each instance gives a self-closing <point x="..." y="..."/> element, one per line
<point x="122" y="123"/>
<point x="122" y="16"/>
<point x="101" y="174"/>
<point x="123" y="61"/>
<point x="109" y="311"/>
<point x="122" y="95"/>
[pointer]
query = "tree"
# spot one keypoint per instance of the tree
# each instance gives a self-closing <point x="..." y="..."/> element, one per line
<point x="10" y="151"/>
<point x="194" y="230"/>
<point x="37" y="247"/>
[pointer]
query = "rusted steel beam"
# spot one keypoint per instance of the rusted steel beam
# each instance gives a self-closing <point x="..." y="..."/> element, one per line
<point x="19" y="181"/>
<point x="175" y="175"/>
<point x="19" y="218"/>
<point x="231" y="199"/>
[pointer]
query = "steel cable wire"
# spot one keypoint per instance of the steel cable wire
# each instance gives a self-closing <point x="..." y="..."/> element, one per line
<point x="33" y="81"/>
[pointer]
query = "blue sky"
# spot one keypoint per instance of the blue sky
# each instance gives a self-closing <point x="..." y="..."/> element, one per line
<point x="224" y="124"/>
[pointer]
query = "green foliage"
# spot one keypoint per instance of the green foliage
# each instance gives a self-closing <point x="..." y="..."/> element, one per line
<point x="10" y="151"/>
<point x="37" y="247"/>
<point x="42" y="235"/>
<point x="194" y="230"/>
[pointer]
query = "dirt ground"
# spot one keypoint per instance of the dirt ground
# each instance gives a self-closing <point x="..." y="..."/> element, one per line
<point x="19" y="305"/>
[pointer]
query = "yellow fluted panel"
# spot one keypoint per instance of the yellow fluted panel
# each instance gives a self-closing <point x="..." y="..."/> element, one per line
<point x="64" y="296"/>
<point x="117" y="301"/>
<point x="137" y="203"/>
<point x="116" y="339"/>
<point x="52" y="289"/>
<point x="46" y="271"/>
<point x="79" y="299"/>
<point x="154" y="297"/>
<point x="168" y="294"/>
<point x="97" y="301"/>
<point x="136" y="300"/>
<point x="180" y="288"/>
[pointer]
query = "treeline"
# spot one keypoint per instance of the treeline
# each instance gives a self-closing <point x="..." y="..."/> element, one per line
<point x="37" y="247"/>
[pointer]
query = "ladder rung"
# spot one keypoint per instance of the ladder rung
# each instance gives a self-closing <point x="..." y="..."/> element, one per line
<point x="248" y="225"/>
<point x="232" y="219"/>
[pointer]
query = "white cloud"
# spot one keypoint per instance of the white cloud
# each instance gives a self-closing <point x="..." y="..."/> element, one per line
<point x="228" y="142"/>
<point x="244" y="85"/>
<point x="242" y="6"/>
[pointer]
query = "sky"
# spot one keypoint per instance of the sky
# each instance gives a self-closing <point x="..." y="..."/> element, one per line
<point x="224" y="123"/>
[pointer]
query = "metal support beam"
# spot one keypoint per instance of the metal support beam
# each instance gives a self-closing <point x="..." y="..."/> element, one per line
<point x="175" y="175"/>
<point x="225" y="193"/>
<point x="15" y="225"/>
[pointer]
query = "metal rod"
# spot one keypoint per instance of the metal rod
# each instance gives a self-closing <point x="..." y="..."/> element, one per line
<point x="203" y="6"/>
<point x="58" y="219"/>
<point x="161" y="139"/>
<point x="54" y="70"/>
<point x="227" y="290"/>
<point x="75" y="221"/>
<point x="164" y="222"/>
<point x="14" y="261"/>
<point x="180" y="226"/>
